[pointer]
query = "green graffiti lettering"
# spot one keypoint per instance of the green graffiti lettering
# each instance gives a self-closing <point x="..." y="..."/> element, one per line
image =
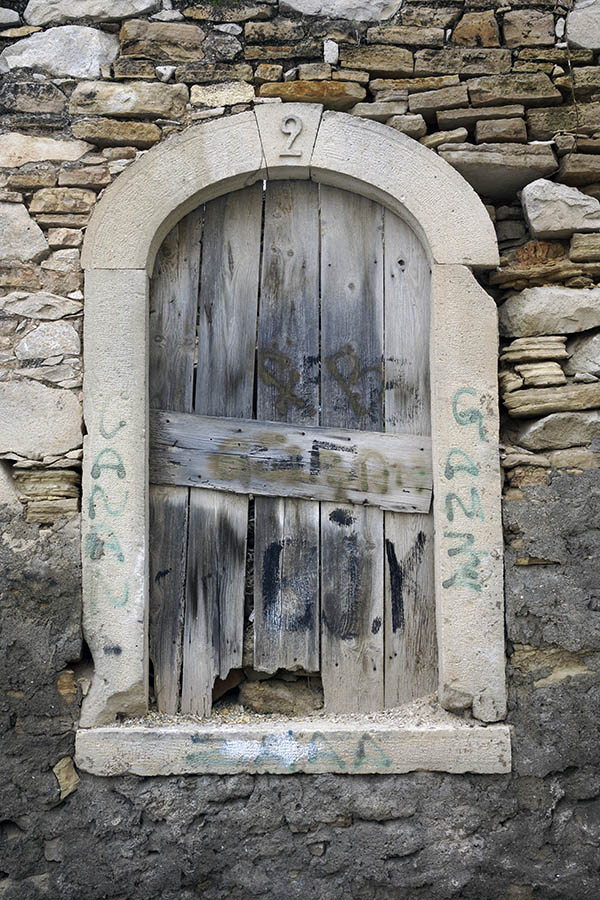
<point x="467" y="465"/>
<point x="116" y="465"/>
<point x="476" y="507"/>
<point x="98" y="490"/>
<point x="470" y="416"/>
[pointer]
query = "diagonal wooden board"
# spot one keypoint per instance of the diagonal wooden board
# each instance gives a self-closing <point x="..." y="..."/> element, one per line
<point x="272" y="459"/>
<point x="286" y="544"/>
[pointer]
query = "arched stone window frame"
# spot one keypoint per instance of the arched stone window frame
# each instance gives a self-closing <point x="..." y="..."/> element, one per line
<point x="276" y="141"/>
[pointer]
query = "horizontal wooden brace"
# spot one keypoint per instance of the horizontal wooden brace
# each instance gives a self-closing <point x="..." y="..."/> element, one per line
<point x="273" y="459"/>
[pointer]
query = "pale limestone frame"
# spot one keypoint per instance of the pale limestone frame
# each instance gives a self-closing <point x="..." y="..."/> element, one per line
<point x="124" y="234"/>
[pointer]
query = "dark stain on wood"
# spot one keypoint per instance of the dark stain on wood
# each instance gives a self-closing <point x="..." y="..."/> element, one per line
<point x="160" y="575"/>
<point x="271" y="585"/>
<point x="396" y="599"/>
<point x="342" y="613"/>
<point x="399" y="573"/>
<point x="341" y="517"/>
<point x="376" y="625"/>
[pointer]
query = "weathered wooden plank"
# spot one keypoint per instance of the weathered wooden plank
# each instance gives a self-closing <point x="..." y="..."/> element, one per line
<point x="410" y="640"/>
<point x="271" y="459"/>
<point x="173" y="305"/>
<point x="315" y="747"/>
<point x="286" y="544"/>
<point x="351" y="397"/>
<point x="214" y="617"/>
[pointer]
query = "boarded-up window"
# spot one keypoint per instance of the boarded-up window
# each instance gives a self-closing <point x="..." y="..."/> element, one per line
<point x="290" y="460"/>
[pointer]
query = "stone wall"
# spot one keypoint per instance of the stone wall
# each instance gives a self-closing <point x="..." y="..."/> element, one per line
<point x="509" y="94"/>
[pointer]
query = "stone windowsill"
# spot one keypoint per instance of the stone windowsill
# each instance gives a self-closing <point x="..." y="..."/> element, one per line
<point x="414" y="739"/>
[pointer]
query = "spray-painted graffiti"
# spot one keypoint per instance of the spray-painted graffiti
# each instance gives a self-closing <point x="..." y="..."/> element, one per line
<point x="287" y="751"/>
<point x="464" y="501"/>
<point x="106" y="503"/>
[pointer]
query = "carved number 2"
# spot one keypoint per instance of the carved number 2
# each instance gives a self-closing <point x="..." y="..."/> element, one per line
<point x="291" y="125"/>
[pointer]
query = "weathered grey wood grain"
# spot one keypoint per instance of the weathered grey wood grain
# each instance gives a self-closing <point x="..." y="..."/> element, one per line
<point x="173" y="305"/>
<point x="410" y="640"/>
<point x="286" y="580"/>
<point x="351" y="397"/>
<point x="280" y="460"/>
<point x="214" y="618"/>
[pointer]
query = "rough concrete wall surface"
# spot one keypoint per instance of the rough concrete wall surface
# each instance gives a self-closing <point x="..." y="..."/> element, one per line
<point x="508" y="94"/>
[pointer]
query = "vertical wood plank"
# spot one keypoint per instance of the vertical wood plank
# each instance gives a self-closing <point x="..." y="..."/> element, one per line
<point x="286" y="584"/>
<point x="173" y="305"/>
<point x="410" y="639"/>
<point x="352" y="397"/>
<point x="214" y="616"/>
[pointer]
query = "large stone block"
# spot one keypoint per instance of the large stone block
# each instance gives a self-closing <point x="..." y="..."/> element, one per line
<point x="222" y="94"/>
<point x="543" y="124"/>
<point x="583" y="25"/>
<point x="18" y="149"/>
<point x="360" y="10"/>
<point x="238" y="11"/>
<point x="558" y="431"/>
<point x="129" y="100"/>
<point x="31" y="96"/>
<point x="466" y="61"/>
<point x="427" y="102"/>
<point x="406" y="35"/>
<point x="463" y="118"/>
<point x="47" y="340"/>
<point x="63" y="200"/>
<point x="550" y="310"/>
<point x="41" y="305"/>
<point x="528" y="89"/>
<point x="57" y="12"/>
<point x="340" y="95"/>
<point x="528" y="27"/>
<point x="557" y="211"/>
<point x="584" y="355"/>
<point x="477" y="29"/>
<point x="21" y="239"/>
<point x="498" y="171"/>
<point x="117" y="133"/>
<point x="212" y="73"/>
<point x="68" y="51"/>
<point x="36" y="421"/>
<point x="579" y="168"/>
<point x="162" y="40"/>
<point x="378" y="59"/>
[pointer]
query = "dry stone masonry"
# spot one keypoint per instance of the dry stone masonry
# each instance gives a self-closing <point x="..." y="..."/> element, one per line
<point x="508" y="94"/>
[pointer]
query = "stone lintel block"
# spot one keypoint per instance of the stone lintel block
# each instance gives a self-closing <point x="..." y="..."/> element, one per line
<point x="115" y="478"/>
<point x="313" y="747"/>
<point x="469" y="577"/>
<point x="277" y="129"/>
